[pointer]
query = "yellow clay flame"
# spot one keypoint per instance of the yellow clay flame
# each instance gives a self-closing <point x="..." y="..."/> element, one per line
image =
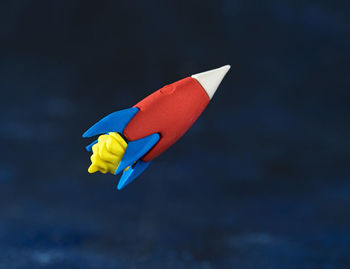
<point x="107" y="153"/>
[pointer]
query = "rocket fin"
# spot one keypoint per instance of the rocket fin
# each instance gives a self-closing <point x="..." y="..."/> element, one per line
<point x="133" y="172"/>
<point x="89" y="147"/>
<point x="136" y="149"/>
<point x="114" y="122"/>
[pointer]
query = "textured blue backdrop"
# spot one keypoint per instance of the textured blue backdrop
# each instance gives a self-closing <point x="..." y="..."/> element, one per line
<point x="260" y="181"/>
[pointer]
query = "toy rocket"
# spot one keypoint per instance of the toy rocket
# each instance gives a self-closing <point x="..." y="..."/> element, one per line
<point x="154" y="124"/>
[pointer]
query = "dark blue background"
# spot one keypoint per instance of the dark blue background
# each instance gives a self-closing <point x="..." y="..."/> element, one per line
<point x="260" y="181"/>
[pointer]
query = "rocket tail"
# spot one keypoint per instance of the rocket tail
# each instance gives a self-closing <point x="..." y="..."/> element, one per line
<point x="116" y="122"/>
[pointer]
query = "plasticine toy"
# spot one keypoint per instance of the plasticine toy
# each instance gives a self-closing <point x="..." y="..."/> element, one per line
<point x="133" y="137"/>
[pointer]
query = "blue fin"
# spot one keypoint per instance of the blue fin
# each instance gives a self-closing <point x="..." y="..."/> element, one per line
<point x="133" y="172"/>
<point x="89" y="147"/>
<point x="114" y="122"/>
<point x="136" y="149"/>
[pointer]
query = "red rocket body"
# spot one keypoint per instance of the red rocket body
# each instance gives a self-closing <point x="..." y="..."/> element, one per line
<point x="170" y="112"/>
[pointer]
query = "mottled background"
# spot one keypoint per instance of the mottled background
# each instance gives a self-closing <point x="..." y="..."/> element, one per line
<point x="260" y="181"/>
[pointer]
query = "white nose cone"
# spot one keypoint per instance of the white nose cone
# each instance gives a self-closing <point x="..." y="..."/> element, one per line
<point x="210" y="80"/>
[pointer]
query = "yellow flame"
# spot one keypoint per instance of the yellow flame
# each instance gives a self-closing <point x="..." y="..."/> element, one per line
<point x="107" y="153"/>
